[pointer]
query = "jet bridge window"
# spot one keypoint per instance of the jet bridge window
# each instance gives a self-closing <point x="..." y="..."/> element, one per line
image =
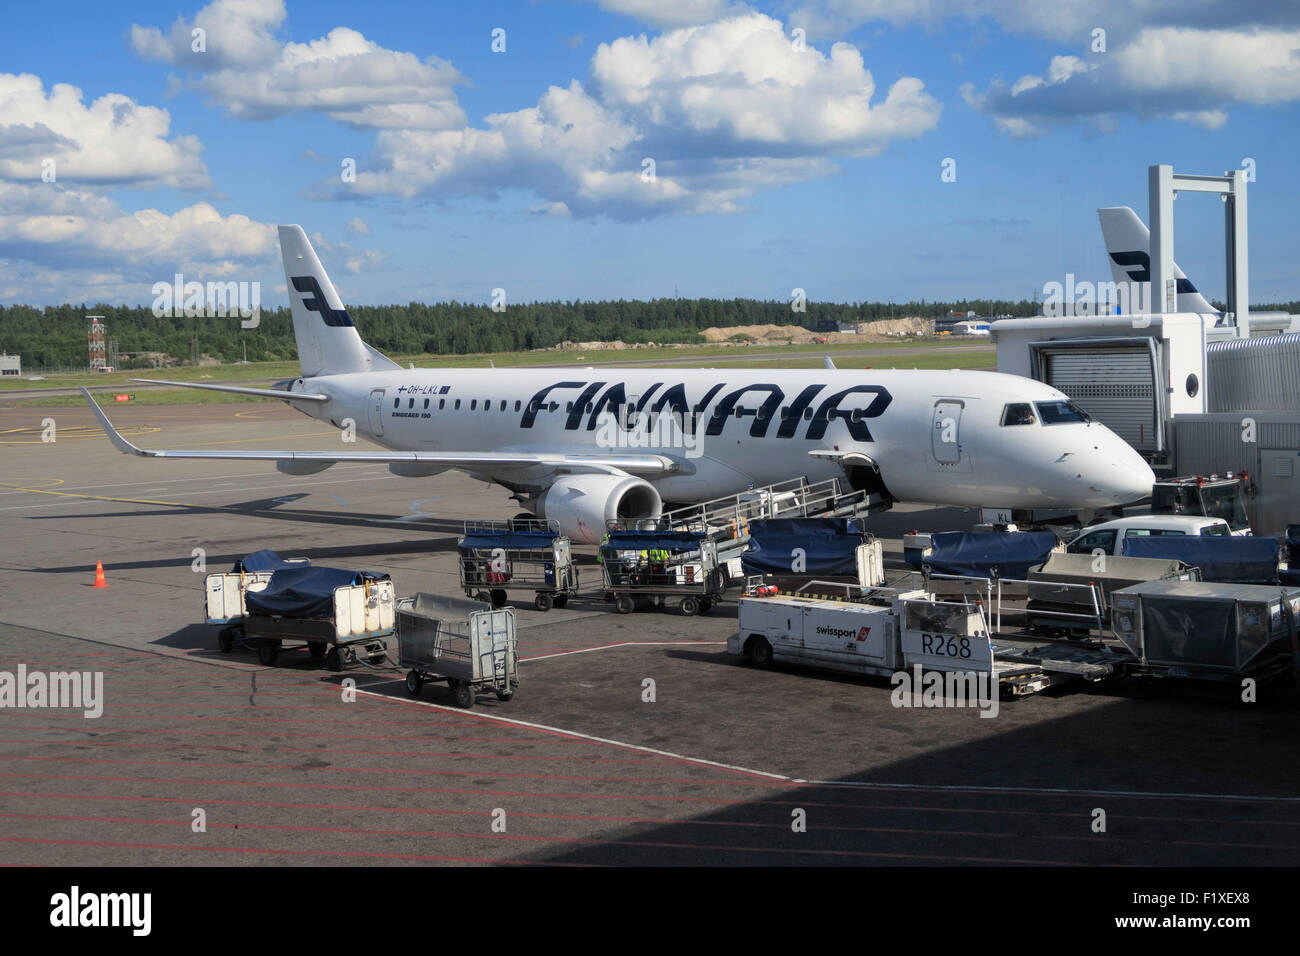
<point x="1018" y="413"/>
<point x="1061" y="413"/>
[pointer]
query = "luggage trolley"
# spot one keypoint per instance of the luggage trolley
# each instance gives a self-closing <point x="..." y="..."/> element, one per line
<point x="655" y="567"/>
<point x="225" y="603"/>
<point x="339" y="615"/>
<point x="469" y="644"/>
<point x="497" y="556"/>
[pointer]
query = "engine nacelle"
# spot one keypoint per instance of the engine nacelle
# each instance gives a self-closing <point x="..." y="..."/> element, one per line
<point x="582" y="504"/>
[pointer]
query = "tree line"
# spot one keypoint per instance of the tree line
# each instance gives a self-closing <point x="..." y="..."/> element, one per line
<point x="55" y="336"/>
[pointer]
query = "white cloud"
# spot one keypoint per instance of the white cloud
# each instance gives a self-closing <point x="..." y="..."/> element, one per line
<point x="1063" y="20"/>
<point x="235" y="33"/>
<point x="357" y="226"/>
<point x="1188" y="75"/>
<point x="66" y="244"/>
<point x="342" y="74"/>
<point x="672" y="13"/>
<point x="723" y="110"/>
<point x="113" y="141"/>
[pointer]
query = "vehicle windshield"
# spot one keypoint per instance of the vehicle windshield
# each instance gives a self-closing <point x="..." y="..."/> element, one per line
<point x="1225" y="502"/>
<point x="1061" y="413"/>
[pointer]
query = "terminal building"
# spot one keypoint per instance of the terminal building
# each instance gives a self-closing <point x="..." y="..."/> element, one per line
<point x="1195" y="394"/>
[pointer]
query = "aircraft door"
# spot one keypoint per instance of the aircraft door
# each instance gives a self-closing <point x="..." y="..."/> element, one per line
<point x="945" y="436"/>
<point x="376" y="411"/>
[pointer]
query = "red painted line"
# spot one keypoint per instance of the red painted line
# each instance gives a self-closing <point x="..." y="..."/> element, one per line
<point x="314" y="751"/>
<point x="532" y="838"/>
<point x="211" y="765"/>
<point x="607" y="818"/>
<point x="674" y="798"/>
<point x="220" y="849"/>
<point x="154" y="731"/>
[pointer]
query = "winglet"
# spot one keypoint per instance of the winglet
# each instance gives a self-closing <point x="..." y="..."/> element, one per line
<point x="118" y="441"/>
<point x="829" y="364"/>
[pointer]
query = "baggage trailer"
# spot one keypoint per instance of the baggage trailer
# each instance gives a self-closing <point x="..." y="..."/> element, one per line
<point x="658" y="568"/>
<point x="1208" y="631"/>
<point x="1056" y="605"/>
<point x="225" y="592"/>
<point x="339" y="615"/>
<point x="499" y="556"/>
<point x="469" y="644"/>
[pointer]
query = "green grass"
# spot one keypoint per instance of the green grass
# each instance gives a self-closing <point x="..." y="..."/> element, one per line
<point x="920" y="352"/>
<point x="156" y="396"/>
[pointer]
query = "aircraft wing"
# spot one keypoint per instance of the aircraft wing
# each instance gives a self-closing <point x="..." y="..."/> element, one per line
<point x="633" y="464"/>
<point x="240" y="390"/>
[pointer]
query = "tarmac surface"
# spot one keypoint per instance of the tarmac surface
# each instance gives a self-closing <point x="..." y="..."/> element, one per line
<point x="291" y="765"/>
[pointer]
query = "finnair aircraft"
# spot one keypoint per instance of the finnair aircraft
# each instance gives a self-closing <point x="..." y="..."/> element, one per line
<point x="1128" y="245"/>
<point x="587" y="446"/>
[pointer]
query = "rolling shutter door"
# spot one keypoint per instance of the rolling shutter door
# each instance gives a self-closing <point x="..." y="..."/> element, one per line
<point x="1116" y="386"/>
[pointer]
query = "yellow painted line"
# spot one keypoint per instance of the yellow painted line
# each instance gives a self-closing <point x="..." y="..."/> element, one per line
<point x="16" y="484"/>
<point x="77" y="433"/>
<point x="134" y="501"/>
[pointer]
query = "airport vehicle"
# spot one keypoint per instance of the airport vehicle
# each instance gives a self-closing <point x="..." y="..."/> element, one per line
<point x="583" y="447"/>
<point x="339" y="615"/>
<point x="469" y="644"/>
<point x="1208" y="631"/>
<point x="225" y="592"/>
<point x="499" y="556"/>
<point x="658" y="568"/>
<point x="886" y="631"/>
<point x="1109" y="536"/>
<point x="1056" y="604"/>
<point x="1212" y="497"/>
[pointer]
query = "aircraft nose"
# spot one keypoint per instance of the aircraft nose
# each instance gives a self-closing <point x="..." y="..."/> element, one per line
<point x="1126" y="477"/>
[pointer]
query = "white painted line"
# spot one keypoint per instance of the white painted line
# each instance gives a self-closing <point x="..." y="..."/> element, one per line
<point x="606" y="647"/>
<point x="573" y="733"/>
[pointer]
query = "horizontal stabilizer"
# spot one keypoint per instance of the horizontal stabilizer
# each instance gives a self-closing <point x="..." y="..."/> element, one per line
<point x="239" y="390"/>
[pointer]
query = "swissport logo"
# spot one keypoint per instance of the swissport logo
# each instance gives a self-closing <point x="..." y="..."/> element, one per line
<point x="859" y="635"/>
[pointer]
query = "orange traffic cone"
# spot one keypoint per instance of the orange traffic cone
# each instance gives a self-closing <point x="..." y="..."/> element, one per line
<point x="100" y="580"/>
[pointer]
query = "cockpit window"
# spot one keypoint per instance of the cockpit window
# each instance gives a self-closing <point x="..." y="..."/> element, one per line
<point x="1061" y="413"/>
<point x="1018" y="413"/>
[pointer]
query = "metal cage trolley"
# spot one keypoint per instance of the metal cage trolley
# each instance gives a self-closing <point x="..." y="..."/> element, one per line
<point x="469" y="644"/>
<point x="499" y="556"/>
<point x="656" y="568"/>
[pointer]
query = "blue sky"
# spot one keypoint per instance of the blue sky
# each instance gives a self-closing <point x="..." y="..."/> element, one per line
<point x="775" y="167"/>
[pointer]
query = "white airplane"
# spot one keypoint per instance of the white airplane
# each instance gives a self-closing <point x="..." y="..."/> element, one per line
<point x="589" y="446"/>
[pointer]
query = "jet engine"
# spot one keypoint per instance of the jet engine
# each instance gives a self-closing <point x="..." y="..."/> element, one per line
<point x="582" y="504"/>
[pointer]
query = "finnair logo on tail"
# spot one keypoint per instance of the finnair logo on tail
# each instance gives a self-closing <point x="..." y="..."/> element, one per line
<point x="314" y="301"/>
<point x="1138" y="266"/>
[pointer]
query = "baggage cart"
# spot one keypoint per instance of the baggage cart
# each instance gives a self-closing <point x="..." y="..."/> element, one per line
<point x="497" y="557"/>
<point x="339" y="615"/>
<point x="469" y="644"/>
<point x="659" y="568"/>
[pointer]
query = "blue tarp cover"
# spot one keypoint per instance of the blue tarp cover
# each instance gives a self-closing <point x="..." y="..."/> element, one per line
<point x="676" y="542"/>
<point x="1247" y="559"/>
<point x="979" y="554"/>
<point x="304" y="592"/>
<point x="266" y="561"/>
<point x="510" y="540"/>
<point x="828" y="545"/>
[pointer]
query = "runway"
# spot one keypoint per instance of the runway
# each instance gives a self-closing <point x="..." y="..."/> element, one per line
<point x="579" y="768"/>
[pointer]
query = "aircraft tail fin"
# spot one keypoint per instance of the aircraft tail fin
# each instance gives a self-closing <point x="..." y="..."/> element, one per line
<point x="328" y="343"/>
<point x="1128" y="248"/>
